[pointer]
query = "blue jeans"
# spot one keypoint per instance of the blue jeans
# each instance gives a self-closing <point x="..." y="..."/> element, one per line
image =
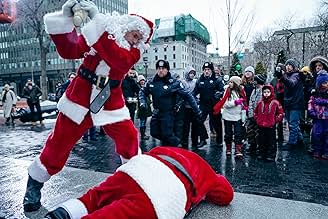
<point x="293" y="118"/>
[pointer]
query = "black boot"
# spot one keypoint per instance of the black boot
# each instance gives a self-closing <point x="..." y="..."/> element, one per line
<point x="58" y="213"/>
<point x="143" y="133"/>
<point x="33" y="195"/>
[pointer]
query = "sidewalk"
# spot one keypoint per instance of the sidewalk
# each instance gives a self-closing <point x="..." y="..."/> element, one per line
<point x="72" y="182"/>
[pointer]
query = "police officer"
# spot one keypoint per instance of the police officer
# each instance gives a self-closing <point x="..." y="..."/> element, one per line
<point x="210" y="89"/>
<point x="165" y="90"/>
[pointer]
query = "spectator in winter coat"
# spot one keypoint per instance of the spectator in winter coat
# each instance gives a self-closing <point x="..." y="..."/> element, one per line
<point x="130" y="90"/>
<point x="8" y="102"/>
<point x="293" y="101"/>
<point x="247" y="80"/>
<point x="267" y="114"/>
<point x="190" y="122"/>
<point x="62" y="87"/>
<point x="164" y="183"/>
<point x="318" y="111"/>
<point x="316" y="64"/>
<point x="251" y="128"/>
<point x="32" y="93"/>
<point x="231" y="106"/>
<point x="143" y="113"/>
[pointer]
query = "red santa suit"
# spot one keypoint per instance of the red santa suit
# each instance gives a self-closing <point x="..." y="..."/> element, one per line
<point x="149" y="186"/>
<point x="107" y="53"/>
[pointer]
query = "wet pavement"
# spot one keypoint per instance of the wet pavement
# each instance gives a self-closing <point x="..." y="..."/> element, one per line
<point x="295" y="175"/>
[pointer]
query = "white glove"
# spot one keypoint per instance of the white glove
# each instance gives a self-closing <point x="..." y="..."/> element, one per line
<point x="90" y="7"/>
<point x="67" y="8"/>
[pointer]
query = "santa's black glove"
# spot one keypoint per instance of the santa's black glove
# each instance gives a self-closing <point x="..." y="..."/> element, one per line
<point x="58" y="213"/>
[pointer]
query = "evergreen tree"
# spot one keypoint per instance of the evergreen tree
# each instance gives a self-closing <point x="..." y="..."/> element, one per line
<point x="235" y="68"/>
<point x="281" y="57"/>
<point x="260" y="69"/>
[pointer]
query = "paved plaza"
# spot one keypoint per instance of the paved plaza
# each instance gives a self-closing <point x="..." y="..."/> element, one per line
<point x="295" y="186"/>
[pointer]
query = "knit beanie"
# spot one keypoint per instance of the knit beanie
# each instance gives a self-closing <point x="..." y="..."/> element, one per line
<point x="260" y="79"/>
<point x="141" y="77"/>
<point x="250" y="69"/>
<point x="236" y="80"/>
<point x="322" y="77"/>
<point x="293" y="63"/>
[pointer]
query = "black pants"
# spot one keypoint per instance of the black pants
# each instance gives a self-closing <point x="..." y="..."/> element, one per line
<point x="189" y="122"/>
<point x="233" y="131"/>
<point x="267" y="142"/>
<point x="216" y="123"/>
<point x="36" y="115"/>
<point x="132" y="110"/>
<point x="162" y="128"/>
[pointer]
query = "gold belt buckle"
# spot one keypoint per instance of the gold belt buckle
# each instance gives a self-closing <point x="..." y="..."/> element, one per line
<point x="99" y="79"/>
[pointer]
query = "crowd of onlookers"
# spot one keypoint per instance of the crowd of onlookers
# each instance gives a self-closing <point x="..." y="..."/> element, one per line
<point x="247" y="110"/>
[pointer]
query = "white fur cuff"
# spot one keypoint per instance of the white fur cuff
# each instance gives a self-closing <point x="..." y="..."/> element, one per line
<point x="93" y="30"/>
<point x="57" y="23"/>
<point x="38" y="171"/>
<point x="75" y="208"/>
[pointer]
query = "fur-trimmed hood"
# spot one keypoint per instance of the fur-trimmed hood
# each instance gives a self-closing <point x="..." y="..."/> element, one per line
<point x="186" y="72"/>
<point x="316" y="59"/>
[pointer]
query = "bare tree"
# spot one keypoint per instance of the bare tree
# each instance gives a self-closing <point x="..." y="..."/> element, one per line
<point x="235" y="15"/>
<point x="30" y="15"/>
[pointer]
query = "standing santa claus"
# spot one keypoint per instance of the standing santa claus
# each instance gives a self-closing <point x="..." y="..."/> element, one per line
<point x="110" y="46"/>
<point x="165" y="183"/>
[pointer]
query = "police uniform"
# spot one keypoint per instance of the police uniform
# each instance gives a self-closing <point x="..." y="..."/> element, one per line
<point x="210" y="90"/>
<point x="164" y="92"/>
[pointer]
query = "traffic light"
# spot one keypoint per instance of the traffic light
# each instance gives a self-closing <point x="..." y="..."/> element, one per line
<point x="238" y="67"/>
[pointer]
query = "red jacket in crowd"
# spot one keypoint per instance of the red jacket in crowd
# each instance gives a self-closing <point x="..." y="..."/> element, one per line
<point x="268" y="111"/>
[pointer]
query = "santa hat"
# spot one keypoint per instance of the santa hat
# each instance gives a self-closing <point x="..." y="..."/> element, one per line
<point x="142" y="24"/>
<point x="322" y="77"/>
<point x="236" y="80"/>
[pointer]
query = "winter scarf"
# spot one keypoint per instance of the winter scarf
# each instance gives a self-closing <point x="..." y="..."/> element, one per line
<point x="218" y="106"/>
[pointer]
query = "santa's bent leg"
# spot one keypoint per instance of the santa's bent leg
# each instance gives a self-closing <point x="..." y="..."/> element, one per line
<point x="53" y="157"/>
<point x="119" y="197"/>
<point x="125" y="136"/>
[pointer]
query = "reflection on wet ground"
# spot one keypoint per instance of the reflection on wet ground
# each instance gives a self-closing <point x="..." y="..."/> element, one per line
<point x="295" y="174"/>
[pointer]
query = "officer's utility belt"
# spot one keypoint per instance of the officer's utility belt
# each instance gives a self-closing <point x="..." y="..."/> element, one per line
<point x="182" y="170"/>
<point x="103" y="83"/>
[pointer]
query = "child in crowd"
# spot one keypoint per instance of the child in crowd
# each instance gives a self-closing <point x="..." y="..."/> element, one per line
<point x="232" y="104"/>
<point x="318" y="111"/>
<point x="267" y="114"/>
<point x="252" y="129"/>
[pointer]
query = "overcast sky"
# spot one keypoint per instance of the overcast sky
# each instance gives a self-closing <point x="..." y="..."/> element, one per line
<point x="209" y="12"/>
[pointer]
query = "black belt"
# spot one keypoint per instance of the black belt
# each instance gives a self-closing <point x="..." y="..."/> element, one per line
<point x="103" y="83"/>
<point x="182" y="170"/>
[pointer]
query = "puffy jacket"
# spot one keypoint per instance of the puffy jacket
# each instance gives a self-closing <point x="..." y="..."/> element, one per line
<point x="268" y="111"/>
<point x="318" y="106"/>
<point x="293" y="91"/>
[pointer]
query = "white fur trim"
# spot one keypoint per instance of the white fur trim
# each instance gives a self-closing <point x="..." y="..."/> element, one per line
<point x="57" y="23"/>
<point x="165" y="190"/>
<point x="102" y="68"/>
<point x="116" y="26"/>
<point x="104" y="117"/>
<point x="72" y="110"/>
<point x="93" y="30"/>
<point x="75" y="208"/>
<point x="125" y="160"/>
<point x="38" y="171"/>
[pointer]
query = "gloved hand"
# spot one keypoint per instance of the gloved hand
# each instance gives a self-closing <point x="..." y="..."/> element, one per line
<point x="199" y="117"/>
<point x="218" y="95"/>
<point x="90" y="7"/>
<point x="177" y="108"/>
<point x="239" y="101"/>
<point x="278" y="74"/>
<point x="143" y="106"/>
<point x="67" y="8"/>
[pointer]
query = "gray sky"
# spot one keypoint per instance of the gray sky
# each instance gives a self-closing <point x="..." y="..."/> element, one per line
<point x="266" y="12"/>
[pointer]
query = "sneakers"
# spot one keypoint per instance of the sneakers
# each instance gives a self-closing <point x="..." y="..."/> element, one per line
<point x="202" y="143"/>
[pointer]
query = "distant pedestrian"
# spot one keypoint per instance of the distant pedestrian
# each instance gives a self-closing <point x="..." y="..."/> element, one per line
<point x="8" y="102"/>
<point x="130" y="90"/>
<point x="62" y="87"/>
<point x="143" y="113"/>
<point x="231" y="106"/>
<point x="32" y="93"/>
<point x="318" y="111"/>
<point x="247" y="80"/>
<point x="267" y="114"/>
